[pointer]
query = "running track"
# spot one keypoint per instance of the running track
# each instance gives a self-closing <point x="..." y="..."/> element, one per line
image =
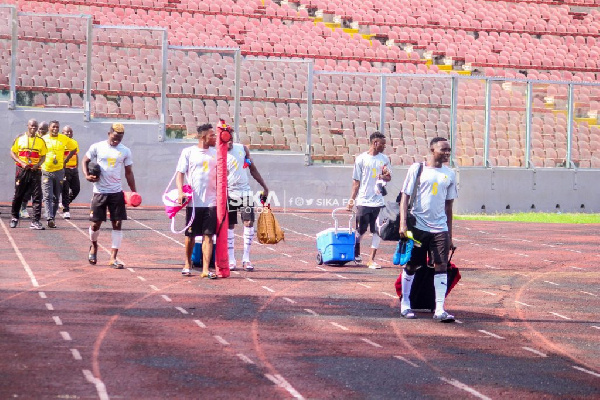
<point x="527" y="308"/>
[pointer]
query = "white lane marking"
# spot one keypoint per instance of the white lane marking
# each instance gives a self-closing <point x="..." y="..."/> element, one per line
<point x="406" y="361"/>
<point x="287" y="255"/>
<point x="57" y="320"/>
<point x="458" y="322"/>
<point x="576" y="268"/>
<point x="522" y="255"/>
<point x="245" y="358"/>
<point x="308" y="310"/>
<point x="141" y="278"/>
<point x="50" y="307"/>
<point x="489" y="266"/>
<point x="200" y="323"/>
<point x="534" y="351"/>
<point x="34" y="281"/>
<point x="493" y="248"/>
<point x="268" y="288"/>
<point x="100" y="387"/>
<point x="559" y="315"/>
<point x="490" y="334"/>
<point x="596" y="327"/>
<point x="302" y="261"/>
<point x="462" y="386"/>
<point x="390" y="295"/>
<point x="235" y="272"/>
<point x="341" y="276"/>
<point x="282" y="383"/>
<point x="322" y="269"/>
<point x="552" y="283"/>
<point x="131" y="269"/>
<point x="42" y="295"/>
<point x="460" y="284"/>
<point x="367" y="286"/>
<point x="221" y="340"/>
<point x="549" y="245"/>
<point x="490" y="293"/>
<point x="574" y="251"/>
<point x="154" y="288"/>
<point x="520" y="273"/>
<point x="76" y="354"/>
<point x="250" y="279"/>
<point x="289" y="300"/>
<point x="371" y="342"/>
<point x="342" y="327"/>
<point x="523" y="304"/>
<point x="548" y="261"/>
<point x="181" y="310"/>
<point x="591" y="294"/>
<point x="160" y="233"/>
<point x="270" y="248"/>
<point x="167" y="298"/>
<point x="65" y="335"/>
<point x="587" y="371"/>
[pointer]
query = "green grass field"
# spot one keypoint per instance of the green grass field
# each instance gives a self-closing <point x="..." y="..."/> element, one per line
<point x="551" y="218"/>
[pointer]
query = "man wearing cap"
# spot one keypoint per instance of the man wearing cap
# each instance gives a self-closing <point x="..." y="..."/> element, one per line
<point x="28" y="152"/>
<point x="71" y="185"/>
<point x="53" y="169"/>
<point x="110" y="156"/>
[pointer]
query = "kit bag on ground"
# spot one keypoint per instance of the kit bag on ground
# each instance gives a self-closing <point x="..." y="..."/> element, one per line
<point x="268" y="230"/>
<point x="422" y="293"/>
<point x="197" y="254"/>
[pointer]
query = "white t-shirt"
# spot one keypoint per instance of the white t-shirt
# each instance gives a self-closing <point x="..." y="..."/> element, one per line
<point x="200" y="167"/>
<point x="367" y="169"/>
<point x="237" y="176"/>
<point x="437" y="185"/>
<point x="111" y="160"/>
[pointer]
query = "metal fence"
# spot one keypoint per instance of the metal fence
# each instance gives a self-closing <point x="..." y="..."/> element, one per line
<point x="116" y="72"/>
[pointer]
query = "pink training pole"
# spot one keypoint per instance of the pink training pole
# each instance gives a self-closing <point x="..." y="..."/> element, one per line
<point x="221" y="254"/>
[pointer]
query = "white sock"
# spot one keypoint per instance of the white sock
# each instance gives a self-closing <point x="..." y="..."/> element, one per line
<point x="248" y="236"/>
<point x="375" y="241"/>
<point x="94" y="234"/>
<point x="230" y="243"/>
<point x="440" y="282"/>
<point x="117" y="237"/>
<point x="407" y="281"/>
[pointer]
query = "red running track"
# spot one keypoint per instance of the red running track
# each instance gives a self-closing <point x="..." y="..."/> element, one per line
<point x="528" y="325"/>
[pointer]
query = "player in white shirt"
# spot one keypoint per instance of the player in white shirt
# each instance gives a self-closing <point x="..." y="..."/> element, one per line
<point x="198" y="164"/>
<point x="369" y="167"/>
<point x="240" y="198"/>
<point x="111" y="156"/>
<point x="433" y="211"/>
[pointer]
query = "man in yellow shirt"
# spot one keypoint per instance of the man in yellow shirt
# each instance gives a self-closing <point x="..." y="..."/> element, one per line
<point x="53" y="168"/>
<point x="71" y="185"/>
<point x="42" y="130"/>
<point x="29" y="152"/>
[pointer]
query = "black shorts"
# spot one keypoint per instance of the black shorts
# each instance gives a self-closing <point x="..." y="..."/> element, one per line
<point x="365" y="218"/>
<point x="205" y="221"/>
<point x="115" y="202"/>
<point x="245" y="208"/>
<point x="438" y="244"/>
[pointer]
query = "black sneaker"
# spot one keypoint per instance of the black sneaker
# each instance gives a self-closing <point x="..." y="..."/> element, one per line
<point x="51" y="223"/>
<point x="37" y="225"/>
<point x="14" y="222"/>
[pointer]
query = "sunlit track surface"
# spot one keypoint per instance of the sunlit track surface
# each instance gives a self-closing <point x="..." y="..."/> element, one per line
<point x="526" y="306"/>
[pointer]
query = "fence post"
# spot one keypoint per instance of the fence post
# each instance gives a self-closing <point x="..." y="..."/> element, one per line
<point x="236" y="95"/>
<point x="488" y="118"/>
<point x="569" y="124"/>
<point x="529" y="115"/>
<point x="382" y="104"/>
<point x="87" y="93"/>
<point x="162" y="126"/>
<point x="453" y="104"/>
<point x="309" y="105"/>
<point x="14" y="48"/>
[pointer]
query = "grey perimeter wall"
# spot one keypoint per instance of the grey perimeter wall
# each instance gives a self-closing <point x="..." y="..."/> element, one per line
<point x="296" y="186"/>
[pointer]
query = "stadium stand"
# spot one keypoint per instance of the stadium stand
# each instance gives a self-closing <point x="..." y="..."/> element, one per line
<point x="539" y="40"/>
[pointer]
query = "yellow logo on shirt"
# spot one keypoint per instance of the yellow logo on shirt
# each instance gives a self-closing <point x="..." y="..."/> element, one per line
<point x="205" y="166"/>
<point x="111" y="162"/>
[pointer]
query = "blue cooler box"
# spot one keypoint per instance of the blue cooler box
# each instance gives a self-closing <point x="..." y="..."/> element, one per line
<point x="336" y="245"/>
